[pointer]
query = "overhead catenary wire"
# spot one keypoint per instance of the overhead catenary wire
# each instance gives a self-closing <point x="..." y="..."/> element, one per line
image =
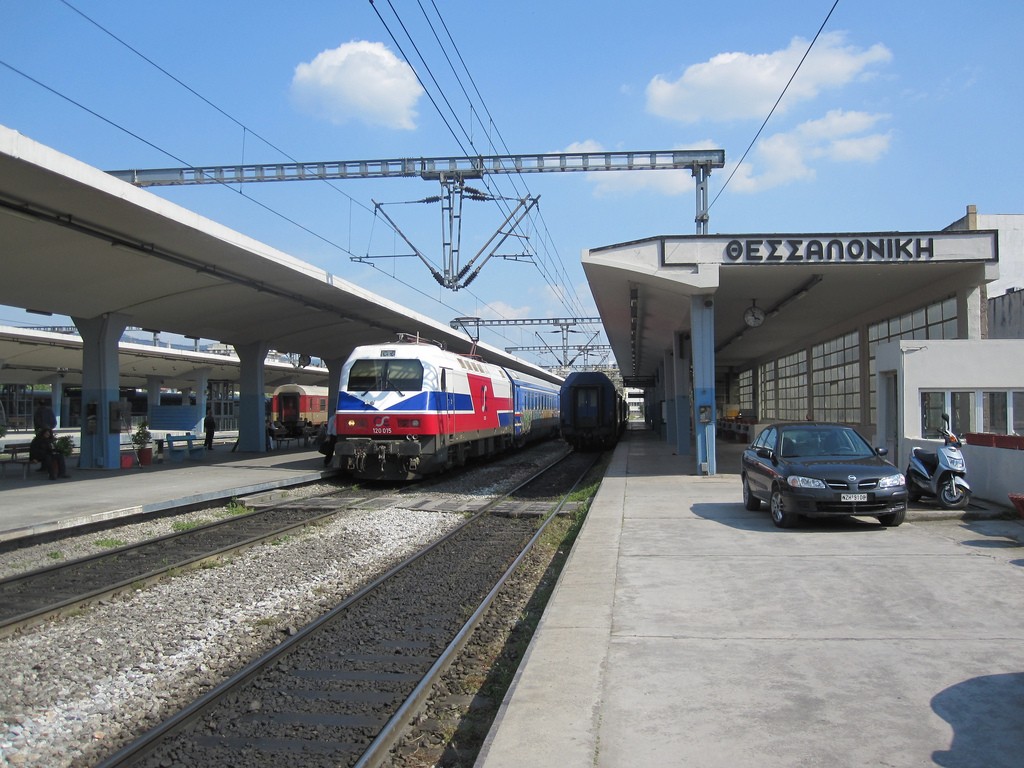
<point x="774" y="106"/>
<point x="560" y="284"/>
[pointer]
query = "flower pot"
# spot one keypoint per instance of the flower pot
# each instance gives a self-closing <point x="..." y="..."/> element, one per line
<point x="980" y="438"/>
<point x="1007" y="441"/>
<point x="1017" y="499"/>
<point x="145" y="456"/>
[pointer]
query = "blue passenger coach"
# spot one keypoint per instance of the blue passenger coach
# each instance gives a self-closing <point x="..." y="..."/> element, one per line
<point x="593" y="413"/>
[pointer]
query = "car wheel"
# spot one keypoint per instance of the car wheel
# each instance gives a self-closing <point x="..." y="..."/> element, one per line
<point x="750" y="501"/>
<point x="893" y="519"/>
<point x="780" y="515"/>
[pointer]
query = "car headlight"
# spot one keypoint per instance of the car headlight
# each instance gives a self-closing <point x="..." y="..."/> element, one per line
<point x="796" y="481"/>
<point x="892" y="481"/>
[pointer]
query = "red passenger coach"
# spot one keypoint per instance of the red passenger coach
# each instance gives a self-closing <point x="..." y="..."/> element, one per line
<point x="410" y="409"/>
<point x="293" y="405"/>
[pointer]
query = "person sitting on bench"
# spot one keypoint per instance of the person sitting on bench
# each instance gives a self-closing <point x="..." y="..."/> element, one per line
<point x="44" y="450"/>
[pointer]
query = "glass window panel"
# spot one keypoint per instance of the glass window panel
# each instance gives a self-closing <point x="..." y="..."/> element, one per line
<point x="933" y="405"/>
<point x="994" y="412"/>
<point x="963" y="412"/>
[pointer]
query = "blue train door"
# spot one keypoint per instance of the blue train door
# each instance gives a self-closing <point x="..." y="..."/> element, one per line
<point x="445" y="411"/>
<point x="586" y="406"/>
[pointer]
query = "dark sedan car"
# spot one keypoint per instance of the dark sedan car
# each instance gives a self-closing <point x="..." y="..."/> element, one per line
<point x="821" y="470"/>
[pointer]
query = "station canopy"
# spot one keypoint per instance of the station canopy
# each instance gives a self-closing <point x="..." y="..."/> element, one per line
<point x="76" y="241"/>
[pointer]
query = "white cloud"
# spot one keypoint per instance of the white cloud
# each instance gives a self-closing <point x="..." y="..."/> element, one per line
<point x="784" y="158"/>
<point x="500" y="310"/>
<point x="739" y="86"/>
<point x="361" y="81"/>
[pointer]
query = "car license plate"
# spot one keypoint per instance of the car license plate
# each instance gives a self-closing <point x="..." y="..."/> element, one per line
<point x="853" y="497"/>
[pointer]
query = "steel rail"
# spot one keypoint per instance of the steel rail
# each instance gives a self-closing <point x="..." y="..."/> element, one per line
<point x="392" y="730"/>
<point x="11" y="624"/>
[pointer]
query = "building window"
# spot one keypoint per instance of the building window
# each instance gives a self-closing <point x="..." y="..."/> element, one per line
<point x="935" y="321"/>
<point x="745" y="391"/>
<point x="835" y="392"/>
<point x="994" y="412"/>
<point x="960" y="405"/>
<point x="784" y="388"/>
<point x="766" y="376"/>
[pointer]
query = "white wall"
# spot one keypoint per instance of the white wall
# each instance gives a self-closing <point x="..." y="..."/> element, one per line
<point x="1010" y="242"/>
<point x="930" y="364"/>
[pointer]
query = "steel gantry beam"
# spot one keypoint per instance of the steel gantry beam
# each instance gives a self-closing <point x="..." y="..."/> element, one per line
<point x="452" y="173"/>
<point x="430" y="168"/>
<point x="471" y="325"/>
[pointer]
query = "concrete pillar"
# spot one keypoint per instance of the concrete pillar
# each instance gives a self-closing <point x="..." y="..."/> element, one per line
<point x="252" y="428"/>
<point x="334" y="366"/>
<point x="702" y="326"/>
<point x="202" y="379"/>
<point x="682" y="394"/>
<point x="57" y="396"/>
<point x="669" y="366"/>
<point x="969" y="309"/>
<point x="154" y="395"/>
<point x="100" y="447"/>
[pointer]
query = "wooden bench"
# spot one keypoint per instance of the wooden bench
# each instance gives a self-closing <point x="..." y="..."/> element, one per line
<point x="181" y="447"/>
<point x="17" y="454"/>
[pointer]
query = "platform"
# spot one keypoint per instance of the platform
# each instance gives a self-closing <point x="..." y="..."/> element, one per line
<point x="37" y="505"/>
<point x="685" y="630"/>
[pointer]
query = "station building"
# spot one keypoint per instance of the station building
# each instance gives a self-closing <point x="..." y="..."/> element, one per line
<point x="882" y="330"/>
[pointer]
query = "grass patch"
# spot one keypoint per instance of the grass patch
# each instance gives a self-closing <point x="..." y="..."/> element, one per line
<point x="178" y="526"/>
<point x="109" y="543"/>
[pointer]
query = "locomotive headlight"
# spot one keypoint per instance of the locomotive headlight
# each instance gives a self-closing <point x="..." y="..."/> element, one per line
<point x="413" y="423"/>
<point x="351" y="422"/>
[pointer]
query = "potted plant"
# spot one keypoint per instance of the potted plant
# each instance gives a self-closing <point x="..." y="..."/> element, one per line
<point x="140" y="439"/>
<point x="65" y="445"/>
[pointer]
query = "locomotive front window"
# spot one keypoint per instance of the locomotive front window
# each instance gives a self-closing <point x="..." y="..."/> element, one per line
<point x="385" y="376"/>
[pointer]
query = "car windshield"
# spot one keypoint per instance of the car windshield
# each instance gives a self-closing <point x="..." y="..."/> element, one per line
<point x="823" y="441"/>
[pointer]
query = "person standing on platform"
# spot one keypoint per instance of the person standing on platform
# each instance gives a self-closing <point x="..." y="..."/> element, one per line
<point x="327" y="449"/>
<point x="210" y="427"/>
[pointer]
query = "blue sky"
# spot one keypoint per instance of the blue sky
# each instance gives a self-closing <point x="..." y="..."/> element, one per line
<point x="901" y="115"/>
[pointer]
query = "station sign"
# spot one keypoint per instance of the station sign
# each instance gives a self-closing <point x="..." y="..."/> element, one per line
<point x="874" y="248"/>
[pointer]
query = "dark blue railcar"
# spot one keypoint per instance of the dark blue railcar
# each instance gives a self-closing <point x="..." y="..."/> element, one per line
<point x="593" y="413"/>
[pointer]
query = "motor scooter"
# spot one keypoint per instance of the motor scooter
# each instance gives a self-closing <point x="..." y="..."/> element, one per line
<point x="940" y="473"/>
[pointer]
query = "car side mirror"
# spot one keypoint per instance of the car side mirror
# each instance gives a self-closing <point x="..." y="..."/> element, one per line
<point x="764" y="453"/>
<point x="882" y="451"/>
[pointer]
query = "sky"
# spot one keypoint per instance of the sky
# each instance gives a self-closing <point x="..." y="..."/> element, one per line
<point x="848" y="116"/>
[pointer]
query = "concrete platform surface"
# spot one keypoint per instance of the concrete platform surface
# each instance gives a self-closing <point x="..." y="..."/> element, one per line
<point x="37" y="505"/>
<point x="687" y="631"/>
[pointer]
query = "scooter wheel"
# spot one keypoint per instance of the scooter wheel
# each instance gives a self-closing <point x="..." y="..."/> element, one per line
<point x="952" y="496"/>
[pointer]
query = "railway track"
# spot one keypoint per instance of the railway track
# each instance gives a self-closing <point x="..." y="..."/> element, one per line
<point x="29" y="598"/>
<point x="338" y="692"/>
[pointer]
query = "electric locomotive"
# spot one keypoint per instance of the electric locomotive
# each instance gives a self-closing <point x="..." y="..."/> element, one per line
<point x="593" y="413"/>
<point x="409" y="409"/>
